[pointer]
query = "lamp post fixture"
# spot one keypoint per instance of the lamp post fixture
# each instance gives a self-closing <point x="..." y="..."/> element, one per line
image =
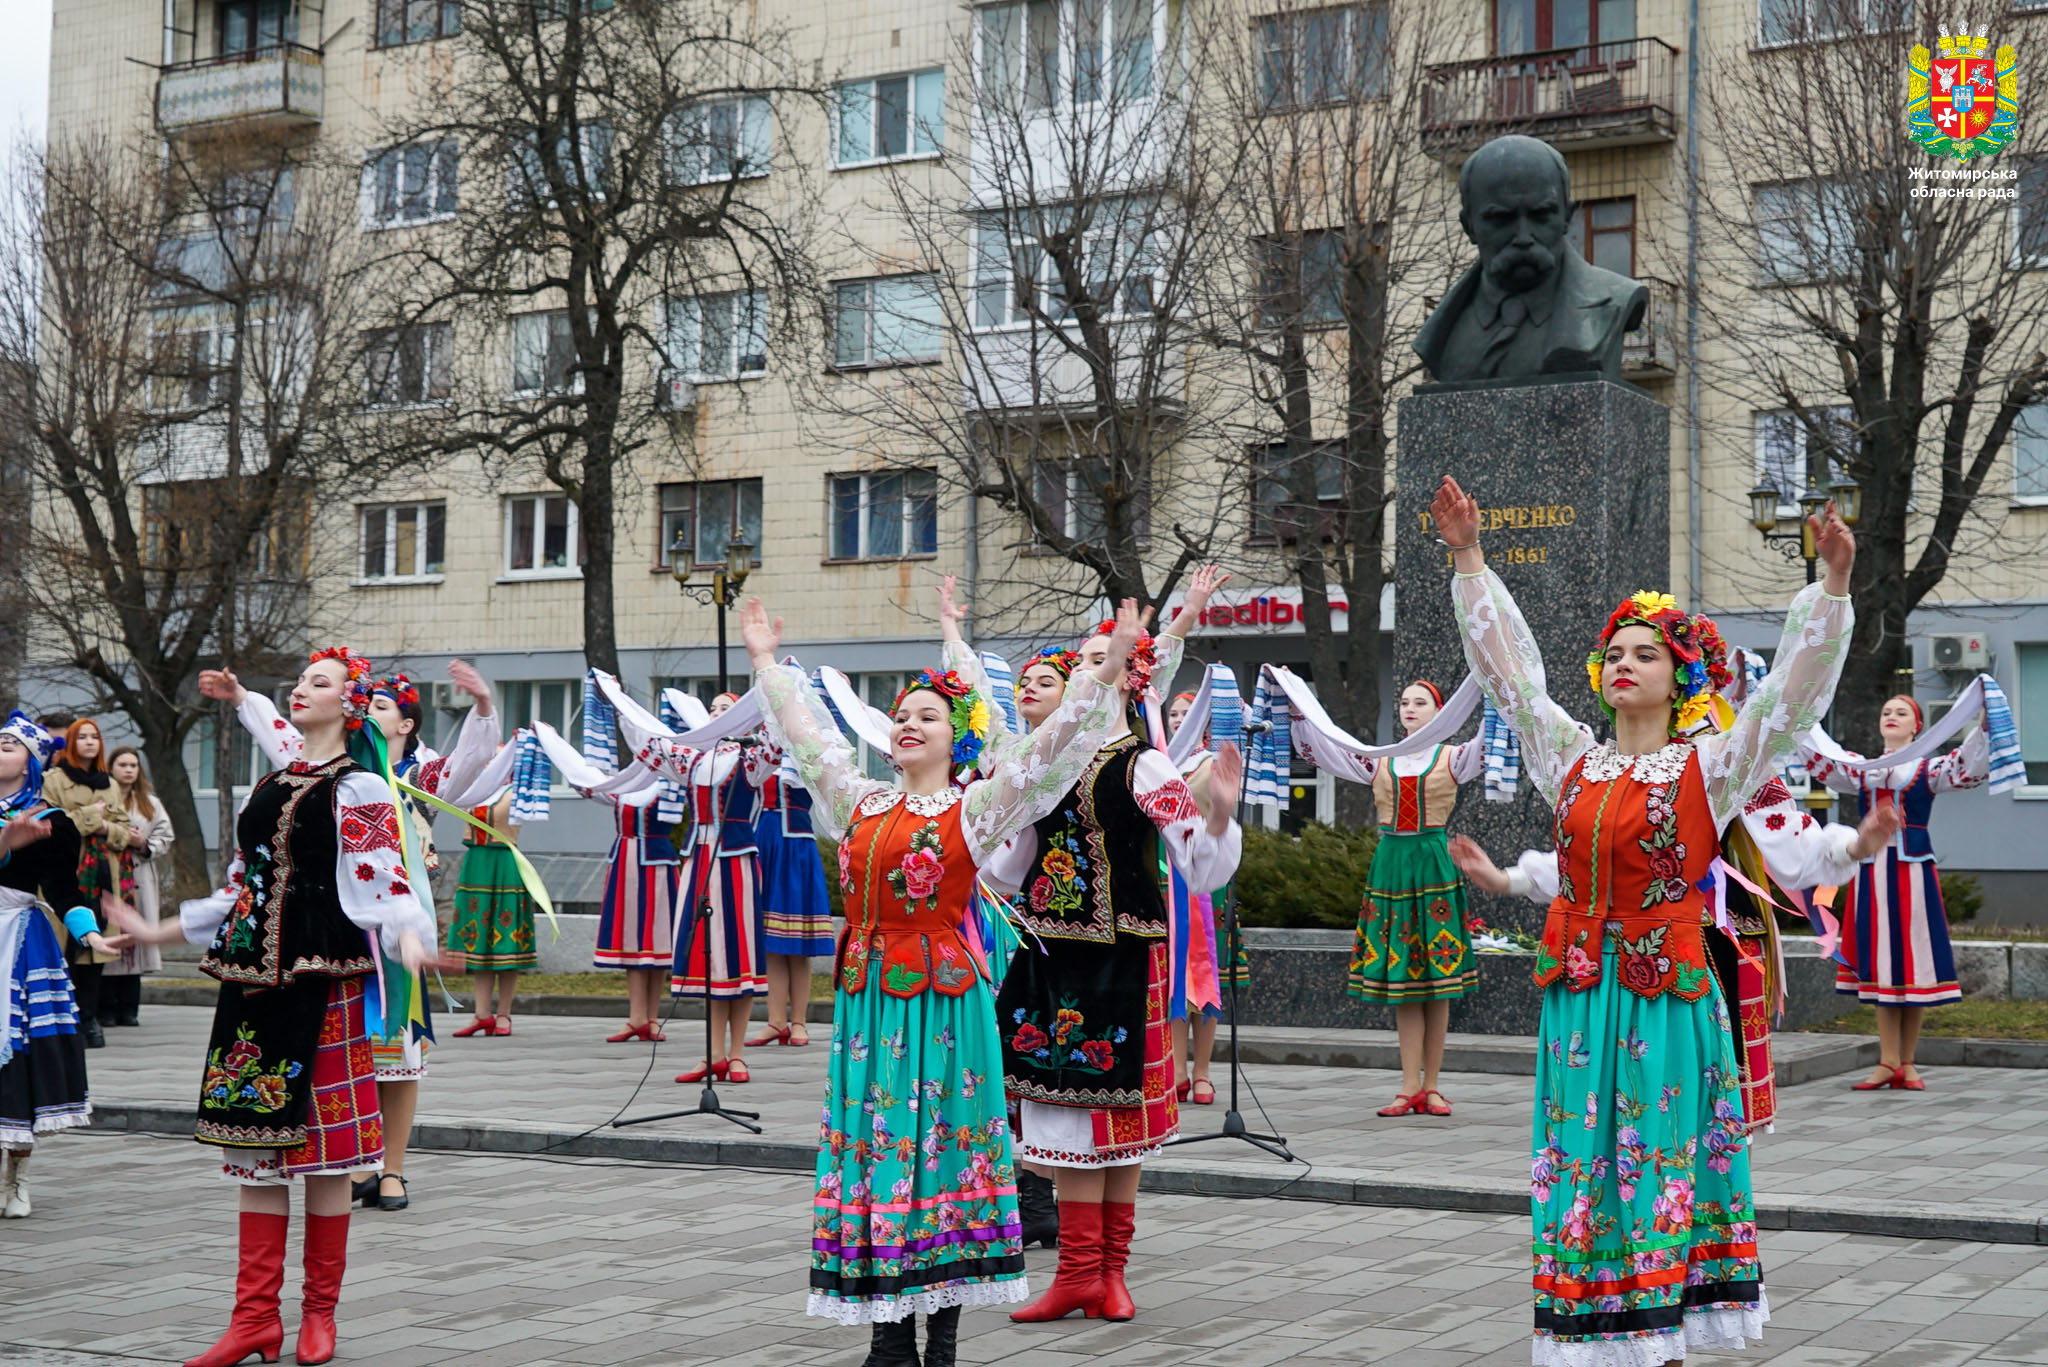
<point x="724" y="589"/>
<point x="1845" y="493"/>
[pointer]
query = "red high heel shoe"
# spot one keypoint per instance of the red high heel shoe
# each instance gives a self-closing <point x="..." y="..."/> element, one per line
<point x="736" y="1073"/>
<point x="1435" y="1103"/>
<point x="720" y="1070"/>
<point x="482" y="1025"/>
<point x="1404" y="1105"/>
<point x="1902" y="1083"/>
<point x="1181" y="1092"/>
<point x="1890" y="1079"/>
<point x="631" y="1032"/>
<point x="770" y="1036"/>
<point x="326" y="1260"/>
<point x="1195" y="1095"/>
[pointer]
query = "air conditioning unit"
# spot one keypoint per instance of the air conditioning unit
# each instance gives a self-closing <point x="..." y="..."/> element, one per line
<point x="674" y="392"/>
<point x="1960" y="652"/>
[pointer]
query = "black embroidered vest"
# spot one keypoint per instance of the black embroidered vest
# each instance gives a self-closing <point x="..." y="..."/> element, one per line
<point x="287" y="921"/>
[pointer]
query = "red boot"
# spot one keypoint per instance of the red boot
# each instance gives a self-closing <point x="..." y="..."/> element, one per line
<point x="254" y="1329"/>
<point x="326" y="1260"/>
<point x="1119" y="1222"/>
<point x="1077" y="1284"/>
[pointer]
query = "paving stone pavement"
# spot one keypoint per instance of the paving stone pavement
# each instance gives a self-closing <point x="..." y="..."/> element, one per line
<point x="510" y="1261"/>
<point x="1968" y="1148"/>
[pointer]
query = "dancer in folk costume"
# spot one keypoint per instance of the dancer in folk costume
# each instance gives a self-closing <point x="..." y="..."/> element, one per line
<point x="794" y="904"/>
<point x="1894" y="923"/>
<point x="149" y="840"/>
<point x="1645" y="1224"/>
<point x="916" y="1209"/>
<point x="397" y="1008"/>
<point x="1195" y="997"/>
<point x="42" y="1052"/>
<point x="492" y="926"/>
<point x="318" y="884"/>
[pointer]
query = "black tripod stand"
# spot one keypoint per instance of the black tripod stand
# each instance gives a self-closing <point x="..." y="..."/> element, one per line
<point x="707" y="1100"/>
<point x="1233" y="1121"/>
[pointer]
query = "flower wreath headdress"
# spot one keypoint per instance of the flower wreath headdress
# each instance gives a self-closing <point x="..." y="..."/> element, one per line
<point x="1144" y="658"/>
<point x="400" y="690"/>
<point x="1060" y="662"/>
<point x="355" y="702"/>
<point x="1699" y="655"/>
<point x="969" y="710"/>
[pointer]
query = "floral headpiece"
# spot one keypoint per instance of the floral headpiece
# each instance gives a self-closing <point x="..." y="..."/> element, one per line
<point x="970" y="710"/>
<point x="1144" y="658"/>
<point x="400" y="690"/>
<point x="1699" y="655"/>
<point x="1060" y="662"/>
<point x="355" y="702"/>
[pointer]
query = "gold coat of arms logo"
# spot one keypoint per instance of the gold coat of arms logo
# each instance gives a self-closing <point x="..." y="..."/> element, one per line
<point x="1963" y="103"/>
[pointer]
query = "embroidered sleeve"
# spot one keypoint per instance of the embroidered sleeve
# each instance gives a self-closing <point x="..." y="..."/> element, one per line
<point x="370" y="875"/>
<point x="1781" y="709"/>
<point x="761" y="762"/>
<point x="1023" y="788"/>
<point x="1003" y="743"/>
<point x="1534" y="876"/>
<point x="277" y="738"/>
<point x="827" y="763"/>
<point x="1500" y="650"/>
<point x="200" y="917"/>
<point x="1204" y="860"/>
<point x="1966" y="766"/>
<point x="1799" y="851"/>
<point x="1468" y="761"/>
<point x="475" y="745"/>
<point x="1826" y="772"/>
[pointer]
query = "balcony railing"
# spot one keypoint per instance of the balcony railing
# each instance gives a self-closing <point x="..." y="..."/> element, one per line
<point x="1608" y="95"/>
<point x="280" y="85"/>
<point x="1652" y="352"/>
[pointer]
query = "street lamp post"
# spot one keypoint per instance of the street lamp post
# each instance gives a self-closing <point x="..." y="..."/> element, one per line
<point x="723" y="590"/>
<point x="1845" y="493"/>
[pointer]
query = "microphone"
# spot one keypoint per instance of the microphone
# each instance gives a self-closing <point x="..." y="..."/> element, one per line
<point x="1256" y="728"/>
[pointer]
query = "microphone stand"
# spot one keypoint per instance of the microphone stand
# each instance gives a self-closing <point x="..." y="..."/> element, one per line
<point x="707" y="1100"/>
<point x="1233" y="1120"/>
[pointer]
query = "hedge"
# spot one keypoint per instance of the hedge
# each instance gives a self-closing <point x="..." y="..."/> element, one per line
<point x="1313" y="880"/>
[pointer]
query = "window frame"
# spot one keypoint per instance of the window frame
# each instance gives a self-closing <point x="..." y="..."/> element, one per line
<point x="762" y="133"/>
<point x="2022" y="430"/>
<point x="1814" y="209"/>
<point x="1129" y="263"/>
<point x="907" y="517"/>
<point x="1061" y="94"/>
<point x="1267" y="250"/>
<point x="507" y="572"/>
<point x="201" y="334"/>
<point x="914" y="122"/>
<point x="426" y="510"/>
<point x="402" y="9"/>
<point x="665" y="537"/>
<point x="437" y="360"/>
<point x="519" y="698"/>
<point x="1581" y="226"/>
<point x="524" y="174"/>
<point x="691" y="307"/>
<point x="927" y="280"/>
<point x="1332" y="514"/>
<point x="1288" y="54"/>
<point x="1788" y="508"/>
<point x="574" y="384"/>
<point x="1808" y="33"/>
<point x="2037" y="169"/>
<point x="443" y="164"/>
<point x="1072" y="472"/>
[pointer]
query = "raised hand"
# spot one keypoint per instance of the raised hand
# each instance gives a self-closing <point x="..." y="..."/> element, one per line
<point x="1456" y="514"/>
<point x="761" y="635"/>
<point x="1477" y="865"/>
<point x="1837" y="547"/>
<point x="1130" y="625"/>
<point x="1202" y="586"/>
<point x="1875" y="831"/>
<point x="221" y="685"/>
<point x="465" y="677"/>
<point x="952" y="613"/>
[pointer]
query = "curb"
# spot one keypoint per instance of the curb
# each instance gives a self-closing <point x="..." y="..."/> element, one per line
<point x="1332" y="1186"/>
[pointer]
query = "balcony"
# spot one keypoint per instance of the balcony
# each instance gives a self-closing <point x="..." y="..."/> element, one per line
<point x="269" y="88"/>
<point x="1027" y="370"/>
<point x="1651" y="353"/>
<point x="1612" y="95"/>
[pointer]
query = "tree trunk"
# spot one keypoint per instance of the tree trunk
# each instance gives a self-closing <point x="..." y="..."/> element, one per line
<point x="595" y="522"/>
<point x="189" y="876"/>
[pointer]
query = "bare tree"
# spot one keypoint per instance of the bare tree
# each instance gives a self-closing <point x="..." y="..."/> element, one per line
<point x="1893" y="325"/>
<point x="1031" y="331"/>
<point x="611" y="213"/>
<point x="183" y="325"/>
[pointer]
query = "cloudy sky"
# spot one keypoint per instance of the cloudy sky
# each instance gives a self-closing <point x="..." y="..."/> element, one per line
<point x="24" y="67"/>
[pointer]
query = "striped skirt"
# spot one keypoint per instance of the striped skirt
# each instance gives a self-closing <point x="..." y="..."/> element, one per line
<point x="1895" y="936"/>
<point x="344" y="1128"/>
<point x="718" y="948"/>
<point x="796" y="909"/>
<point x="638" y="926"/>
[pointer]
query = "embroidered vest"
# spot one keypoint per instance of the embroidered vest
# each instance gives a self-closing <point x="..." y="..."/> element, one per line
<point x="789" y="803"/>
<point x="1413" y="804"/>
<point x="487" y="833"/>
<point x="909" y="889"/>
<point x="1916" y="804"/>
<point x="1636" y="843"/>
<point x="642" y="824"/>
<point x="287" y="921"/>
<point x="724" y="811"/>
<point x="1097" y="871"/>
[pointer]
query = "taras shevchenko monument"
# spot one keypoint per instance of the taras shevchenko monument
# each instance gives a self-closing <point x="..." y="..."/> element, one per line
<point x="1532" y="305"/>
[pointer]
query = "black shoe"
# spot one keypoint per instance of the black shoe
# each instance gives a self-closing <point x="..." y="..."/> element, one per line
<point x="1038" y="1209"/>
<point x="398" y="1202"/>
<point x="363" y="1191"/>
<point x="941" y="1337"/>
<point x="894" y="1345"/>
<point x="130" y="1019"/>
<point x="93" y="1038"/>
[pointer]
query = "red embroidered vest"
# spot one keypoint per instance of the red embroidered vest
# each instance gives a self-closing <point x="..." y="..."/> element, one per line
<point x="1635" y="842"/>
<point x="909" y="887"/>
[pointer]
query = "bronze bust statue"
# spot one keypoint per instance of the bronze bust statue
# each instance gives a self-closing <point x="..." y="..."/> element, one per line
<point x="1532" y="305"/>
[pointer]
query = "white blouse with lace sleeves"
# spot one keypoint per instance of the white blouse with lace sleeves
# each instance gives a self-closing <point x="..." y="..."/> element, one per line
<point x="1204" y="860"/>
<point x="1500" y="650"/>
<point x="1765" y="734"/>
<point x="1966" y="766"/>
<point x="1024" y="787"/>
<point x="820" y="752"/>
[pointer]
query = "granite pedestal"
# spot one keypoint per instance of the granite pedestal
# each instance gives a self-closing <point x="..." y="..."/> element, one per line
<point x="1573" y="478"/>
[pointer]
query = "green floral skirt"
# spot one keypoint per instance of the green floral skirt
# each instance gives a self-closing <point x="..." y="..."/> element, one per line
<point x="493" y="923"/>
<point x="1412" y="943"/>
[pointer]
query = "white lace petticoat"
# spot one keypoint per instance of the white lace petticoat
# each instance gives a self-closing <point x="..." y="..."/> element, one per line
<point x="1709" y="1327"/>
<point x="917" y="1302"/>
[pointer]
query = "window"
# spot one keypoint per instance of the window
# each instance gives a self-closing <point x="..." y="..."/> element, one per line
<point x="1806" y="231"/>
<point x="1301" y="278"/>
<point x="582" y="161"/>
<point x="1541" y="25"/>
<point x="719" y="336"/>
<point x="1792" y="21"/>
<point x="192" y="359"/>
<point x="180" y="519"/>
<point x="885" y="322"/>
<point x="1049" y="53"/>
<point x="410" y="184"/>
<point x="404" y="541"/>
<point x="1017" y="280"/>
<point x="2030" y="215"/>
<point x="540" y="537"/>
<point x="879" y="689"/>
<point x="891" y="118"/>
<point x="1603" y="231"/>
<point x="720" y="140"/>
<point x="2030" y="460"/>
<point x="1323" y="56"/>
<point x="885" y="516"/>
<point x="417" y="21"/>
<point x="544" y="355"/>
<point x="1783" y="444"/>
<point x="245" y="761"/>
<point x="558" y="702"/>
<point x="246" y="26"/>
<point x="409" y="365"/>
<point x="1275" y="513"/>
<point x="2030" y="710"/>
<point x="1078" y="494"/>
<point x="708" y="514"/>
